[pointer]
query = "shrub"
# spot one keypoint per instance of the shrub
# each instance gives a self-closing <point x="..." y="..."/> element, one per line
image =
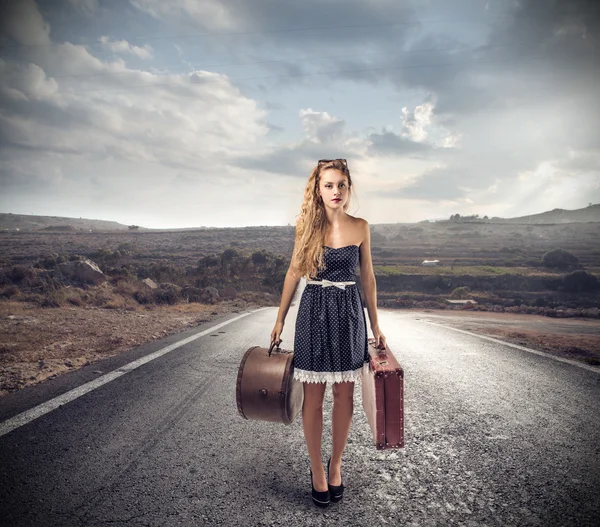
<point x="554" y="284"/>
<point x="9" y="291"/>
<point x="20" y="273"/>
<point x="259" y="258"/>
<point x="29" y="279"/>
<point x="161" y="272"/>
<point x="461" y="292"/>
<point x="167" y="294"/>
<point x="125" y="247"/>
<point x="211" y="260"/>
<point x="125" y="286"/>
<point x="229" y="255"/>
<point x="117" y="272"/>
<point x="102" y="297"/>
<point x="49" y="262"/>
<point x="52" y="299"/>
<point x="580" y="282"/>
<point x="75" y="300"/>
<point x="560" y="259"/>
<point x="193" y="294"/>
<point x="433" y="281"/>
<point x="143" y="296"/>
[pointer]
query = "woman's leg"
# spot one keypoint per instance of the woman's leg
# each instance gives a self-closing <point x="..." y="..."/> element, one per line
<point x="341" y="416"/>
<point x="312" y="423"/>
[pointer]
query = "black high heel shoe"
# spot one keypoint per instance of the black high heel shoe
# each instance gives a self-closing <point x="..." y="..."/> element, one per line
<point x="336" y="491"/>
<point x="320" y="499"/>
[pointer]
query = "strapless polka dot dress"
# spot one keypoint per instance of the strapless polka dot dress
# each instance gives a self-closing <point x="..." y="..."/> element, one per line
<point x="330" y="343"/>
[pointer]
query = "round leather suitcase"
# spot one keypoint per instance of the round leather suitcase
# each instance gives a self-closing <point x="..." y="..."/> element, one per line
<point x="266" y="389"/>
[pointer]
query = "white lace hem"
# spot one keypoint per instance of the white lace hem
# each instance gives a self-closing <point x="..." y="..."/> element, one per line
<point x="328" y="376"/>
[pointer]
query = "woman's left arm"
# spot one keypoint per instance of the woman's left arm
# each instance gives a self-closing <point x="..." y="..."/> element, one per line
<point x="367" y="279"/>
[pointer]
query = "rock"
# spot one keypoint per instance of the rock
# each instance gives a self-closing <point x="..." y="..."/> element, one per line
<point x="81" y="270"/>
<point x="150" y="283"/>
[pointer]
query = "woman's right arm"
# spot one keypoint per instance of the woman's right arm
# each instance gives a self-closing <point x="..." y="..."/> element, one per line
<point x="289" y="289"/>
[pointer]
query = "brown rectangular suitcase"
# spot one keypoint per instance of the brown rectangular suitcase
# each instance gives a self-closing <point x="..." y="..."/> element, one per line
<point x="383" y="397"/>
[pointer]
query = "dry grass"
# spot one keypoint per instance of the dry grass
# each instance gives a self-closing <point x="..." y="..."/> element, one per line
<point x="40" y="343"/>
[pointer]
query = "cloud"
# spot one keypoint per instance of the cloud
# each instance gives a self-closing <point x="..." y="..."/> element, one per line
<point x="89" y="7"/>
<point x="212" y="14"/>
<point x="389" y="143"/>
<point x="260" y="15"/>
<point x="475" y="110"/>
<point x="443" y="183"/>
<point x="578" y="162"/>
<point x="321" y="127"/>
<point x="303" y="28"/>
<point x="163" y="120"/>
<point x="543" y="48"/>
<point x="192" y="121"/>
<point x="325" y="136"/>
<point x="417" y="126"/>
<point x="25" y="82"/>
<point x="415" y="122"/>
<point x="22" y="23"/>
<point x="122" y="46"/>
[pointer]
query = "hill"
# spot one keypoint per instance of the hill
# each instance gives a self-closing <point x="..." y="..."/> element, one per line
<point x="27" y="222"/>
<point x="589" y="213"/>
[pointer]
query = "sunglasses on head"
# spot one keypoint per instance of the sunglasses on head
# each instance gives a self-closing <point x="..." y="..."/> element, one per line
<point x="322" y="161"/>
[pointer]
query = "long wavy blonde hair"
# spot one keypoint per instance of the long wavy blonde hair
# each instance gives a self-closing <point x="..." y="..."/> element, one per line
<point x="311" y="224"/>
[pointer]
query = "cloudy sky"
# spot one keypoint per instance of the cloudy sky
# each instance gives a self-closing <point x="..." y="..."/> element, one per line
<point x="189" y="113"/>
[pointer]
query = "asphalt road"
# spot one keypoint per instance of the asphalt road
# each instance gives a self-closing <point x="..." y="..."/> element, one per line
<point x="494" y="436"/>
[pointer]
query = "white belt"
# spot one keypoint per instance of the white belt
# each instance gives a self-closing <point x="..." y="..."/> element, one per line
<point x="327" y="283"/>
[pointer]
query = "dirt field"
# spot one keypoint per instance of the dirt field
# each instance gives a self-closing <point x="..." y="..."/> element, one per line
<point x="38" y="344"/>
<point x="572" y="338"/>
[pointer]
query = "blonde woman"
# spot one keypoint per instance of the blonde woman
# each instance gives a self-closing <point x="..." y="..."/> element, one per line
<point x="330" y="342"/>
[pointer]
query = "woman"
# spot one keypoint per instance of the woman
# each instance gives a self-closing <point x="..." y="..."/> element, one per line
<point x="330" y="343"/>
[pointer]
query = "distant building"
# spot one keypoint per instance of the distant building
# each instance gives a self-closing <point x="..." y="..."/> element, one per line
<point x="430" y="263"/>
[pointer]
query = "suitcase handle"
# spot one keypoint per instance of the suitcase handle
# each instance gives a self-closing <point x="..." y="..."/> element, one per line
<point x="381" y="352"/>
<point x="273" y="344"/>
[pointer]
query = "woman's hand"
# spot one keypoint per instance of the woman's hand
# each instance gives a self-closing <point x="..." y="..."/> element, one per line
<point x="276" y="333"/>
<point x="380" y="340"/>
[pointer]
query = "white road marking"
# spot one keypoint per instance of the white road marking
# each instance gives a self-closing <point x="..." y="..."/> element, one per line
<point x="37" y="411"/>
<point x="589" y="367"/>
